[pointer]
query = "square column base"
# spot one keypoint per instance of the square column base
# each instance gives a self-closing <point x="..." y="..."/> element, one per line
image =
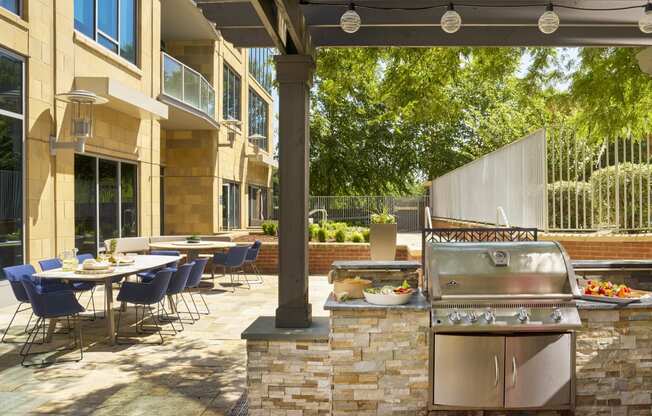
<point x="294" y="316"/>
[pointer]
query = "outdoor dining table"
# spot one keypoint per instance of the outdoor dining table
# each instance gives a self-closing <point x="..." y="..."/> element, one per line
<point x="192" y="250"/>
<point x="142" y="263"/>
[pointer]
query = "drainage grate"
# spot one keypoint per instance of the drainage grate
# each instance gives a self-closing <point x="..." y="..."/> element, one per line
<point x="241" y="407"/>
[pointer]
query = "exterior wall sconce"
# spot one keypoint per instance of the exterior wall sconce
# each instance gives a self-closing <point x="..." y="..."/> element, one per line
<point x="81" y="120"/>
<point x="257" y="139"/>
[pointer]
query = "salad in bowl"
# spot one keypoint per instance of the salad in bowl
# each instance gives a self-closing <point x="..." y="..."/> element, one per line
<point x="389" y="295"/>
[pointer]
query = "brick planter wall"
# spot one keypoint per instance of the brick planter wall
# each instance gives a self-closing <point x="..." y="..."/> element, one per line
<point x="322" y="255"/>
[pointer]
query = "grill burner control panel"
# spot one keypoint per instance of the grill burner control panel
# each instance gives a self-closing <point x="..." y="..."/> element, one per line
<point x="505" y="318"/>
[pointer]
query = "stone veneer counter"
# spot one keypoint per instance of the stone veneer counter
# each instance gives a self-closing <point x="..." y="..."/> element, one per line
<point x="371" y="361"/>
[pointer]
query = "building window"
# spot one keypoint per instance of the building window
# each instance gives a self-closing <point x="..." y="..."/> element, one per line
<point x="261" y="66"/>
<point x="11" y="5"/>
<point x="231" y="99"/>
<point x="11" y="160"/>
<point x="111" y="23"/>
<point x="258" y="111"/>
<point x="106" y="201"/>
<point x="230" y="205"/>
<point x="257" y="205"/>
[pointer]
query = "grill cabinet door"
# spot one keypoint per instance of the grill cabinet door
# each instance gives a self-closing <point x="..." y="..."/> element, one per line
<point x="469" y="371"/>
<point x="538" y="371"/>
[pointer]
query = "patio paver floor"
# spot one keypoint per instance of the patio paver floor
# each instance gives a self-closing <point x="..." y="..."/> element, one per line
<point x="200" y="371"/>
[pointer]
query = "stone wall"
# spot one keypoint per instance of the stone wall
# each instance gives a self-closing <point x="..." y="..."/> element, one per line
<point x="614" y="363"/>
<point x="322" y="255"/>
<point x="288" y="378"/>
<point x="380" y="362"/>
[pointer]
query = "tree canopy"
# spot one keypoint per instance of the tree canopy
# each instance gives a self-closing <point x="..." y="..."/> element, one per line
<point x="383" y="120"/>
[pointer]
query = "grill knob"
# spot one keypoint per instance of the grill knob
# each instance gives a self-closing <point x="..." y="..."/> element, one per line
<point x="472" y="317"/>
<point x="488" y="315"/>
<point x="455" y="317"/>
<point x="556" y="315"/>
<point x="523" y="315"/>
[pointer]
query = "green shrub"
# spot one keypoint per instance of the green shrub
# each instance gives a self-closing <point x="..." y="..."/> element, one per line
<point x="322" y="235"/>
<point x="365" y="235"/>
<point x="313" y="229"/>
<point x="356" y="237"/>
<point x="634" y="182"/>
<point x="270" y="227"/>
<point x="340" y="235"/>
<point x="575" y="197"/>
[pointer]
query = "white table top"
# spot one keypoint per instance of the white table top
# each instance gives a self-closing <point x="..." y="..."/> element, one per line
<point x="142" y="263"/>
<point x="183" y="245"/>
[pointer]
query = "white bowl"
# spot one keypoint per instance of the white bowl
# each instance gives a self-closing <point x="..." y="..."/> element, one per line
<point x="393" y="299"/>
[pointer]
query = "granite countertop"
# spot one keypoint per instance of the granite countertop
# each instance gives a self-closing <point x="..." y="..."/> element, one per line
<point x="375" y="265"/>
<point x="593" y="305"/>
<point x="418" y="302"/>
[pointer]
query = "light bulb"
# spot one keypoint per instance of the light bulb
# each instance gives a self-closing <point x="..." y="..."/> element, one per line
<point x="451" y="20"/>
<point x="645" y="24"/>
<point x="350" y="20"/>
<point x="549" y="21"/>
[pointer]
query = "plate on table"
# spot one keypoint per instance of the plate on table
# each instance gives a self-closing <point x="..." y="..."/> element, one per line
<point x="95" y="271"/>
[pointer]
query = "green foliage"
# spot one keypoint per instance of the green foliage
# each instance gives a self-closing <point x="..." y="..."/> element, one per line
<point x="569" y="198"/>
<point x="340" y="235"/>
<point x="366" y="235"/>
<point x="634" y="183"/>
<point x="322" y="235"/>
<point x="356" y="237"/>
<point x="383" y="217"/>
<point x="313" y="229"/>
<point x="270" y="227"/>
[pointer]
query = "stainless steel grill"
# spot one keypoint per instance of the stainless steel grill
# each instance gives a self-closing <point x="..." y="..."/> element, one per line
<point x="503" y="315"/>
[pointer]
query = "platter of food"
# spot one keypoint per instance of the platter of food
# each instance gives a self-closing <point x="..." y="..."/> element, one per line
<point x="606" y="291"/>
<point x="389" y="295"/>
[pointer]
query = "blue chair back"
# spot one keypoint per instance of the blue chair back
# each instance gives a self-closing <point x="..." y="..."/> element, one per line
<point x="159" y="286"/>
<point x="252" y="254"/>
<point x="179" y="279"/>
<point x="15" y="275"/>
<point x="49" y="264"/>
<point x="164" y="253"/>
<point x="236" y="256"/>
<point x="84" y="256"/>
<point x="53" y="304"/>
<point x="196" y="272"/>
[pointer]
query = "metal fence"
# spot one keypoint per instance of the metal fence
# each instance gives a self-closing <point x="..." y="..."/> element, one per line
<point x="357" y="210"/>
<point x="511" y="178"/>
<point x="555" y="180"/>
<point x="599" y="184"/>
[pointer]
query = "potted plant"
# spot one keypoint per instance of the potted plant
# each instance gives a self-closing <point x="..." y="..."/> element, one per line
<point x="382" y="236"/>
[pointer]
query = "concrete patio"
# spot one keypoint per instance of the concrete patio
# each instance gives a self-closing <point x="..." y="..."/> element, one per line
<point x="200" y="371"/>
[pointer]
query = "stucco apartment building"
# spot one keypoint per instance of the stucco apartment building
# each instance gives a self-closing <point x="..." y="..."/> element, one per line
<point x="181" y="146"/>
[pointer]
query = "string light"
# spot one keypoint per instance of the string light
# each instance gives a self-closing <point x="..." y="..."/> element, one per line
<point x="645" y="24"/>
<point x="350" y="20"/>
<point x="451" y="20"/>
<point x="549" y="21"/>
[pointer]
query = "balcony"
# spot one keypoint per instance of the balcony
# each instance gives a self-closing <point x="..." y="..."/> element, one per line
<point x="190" y="97"/>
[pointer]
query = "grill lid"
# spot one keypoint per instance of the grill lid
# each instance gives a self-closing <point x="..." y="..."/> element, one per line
<point x="511" y="270"/>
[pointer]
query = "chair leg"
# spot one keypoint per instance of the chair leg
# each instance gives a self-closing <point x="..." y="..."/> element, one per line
<point x="257" y="271"/>
<point x="25" y="351"/>
<point x="183" y="299"/>
<point x="149" y="307"/>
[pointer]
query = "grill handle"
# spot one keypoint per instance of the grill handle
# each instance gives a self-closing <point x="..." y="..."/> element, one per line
<point x="497" y="371"/>
<point x="514" y="371"/>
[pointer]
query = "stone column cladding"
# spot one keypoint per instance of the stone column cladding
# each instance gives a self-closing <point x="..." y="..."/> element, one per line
<point x="288" y="378"/>
<point x="380" y="362"/>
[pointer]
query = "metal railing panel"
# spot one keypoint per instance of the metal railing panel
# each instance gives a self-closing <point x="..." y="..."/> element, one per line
<point x="183" y="83"/>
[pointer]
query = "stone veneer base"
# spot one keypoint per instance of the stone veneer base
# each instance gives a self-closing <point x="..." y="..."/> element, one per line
<point x="375" y="362"/>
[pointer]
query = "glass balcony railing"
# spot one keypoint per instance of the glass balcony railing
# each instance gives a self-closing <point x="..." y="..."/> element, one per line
<point x="187" y="85"/>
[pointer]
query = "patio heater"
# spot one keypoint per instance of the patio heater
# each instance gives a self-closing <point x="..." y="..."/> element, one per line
<point x="80" y="127"/>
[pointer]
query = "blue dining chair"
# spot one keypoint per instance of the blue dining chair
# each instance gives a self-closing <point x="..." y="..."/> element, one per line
<point x="77" y="287"/>
<point x="176" y="286"/>
<point x="51" y="305"/>
<point x="15" y="275"/>
<point x="193" y="285"/>
<point x="250" y="260"/>
<point x="148" y="275"/>
<point x="233" y="261"/>
<point x="145" y="295"/>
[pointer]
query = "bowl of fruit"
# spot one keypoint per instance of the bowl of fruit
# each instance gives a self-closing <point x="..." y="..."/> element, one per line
<point x="389" y="295"/>
<point x="605" y="291"/>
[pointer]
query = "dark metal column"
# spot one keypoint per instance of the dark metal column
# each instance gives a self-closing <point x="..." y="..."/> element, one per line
<point x="294" y="75"/>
